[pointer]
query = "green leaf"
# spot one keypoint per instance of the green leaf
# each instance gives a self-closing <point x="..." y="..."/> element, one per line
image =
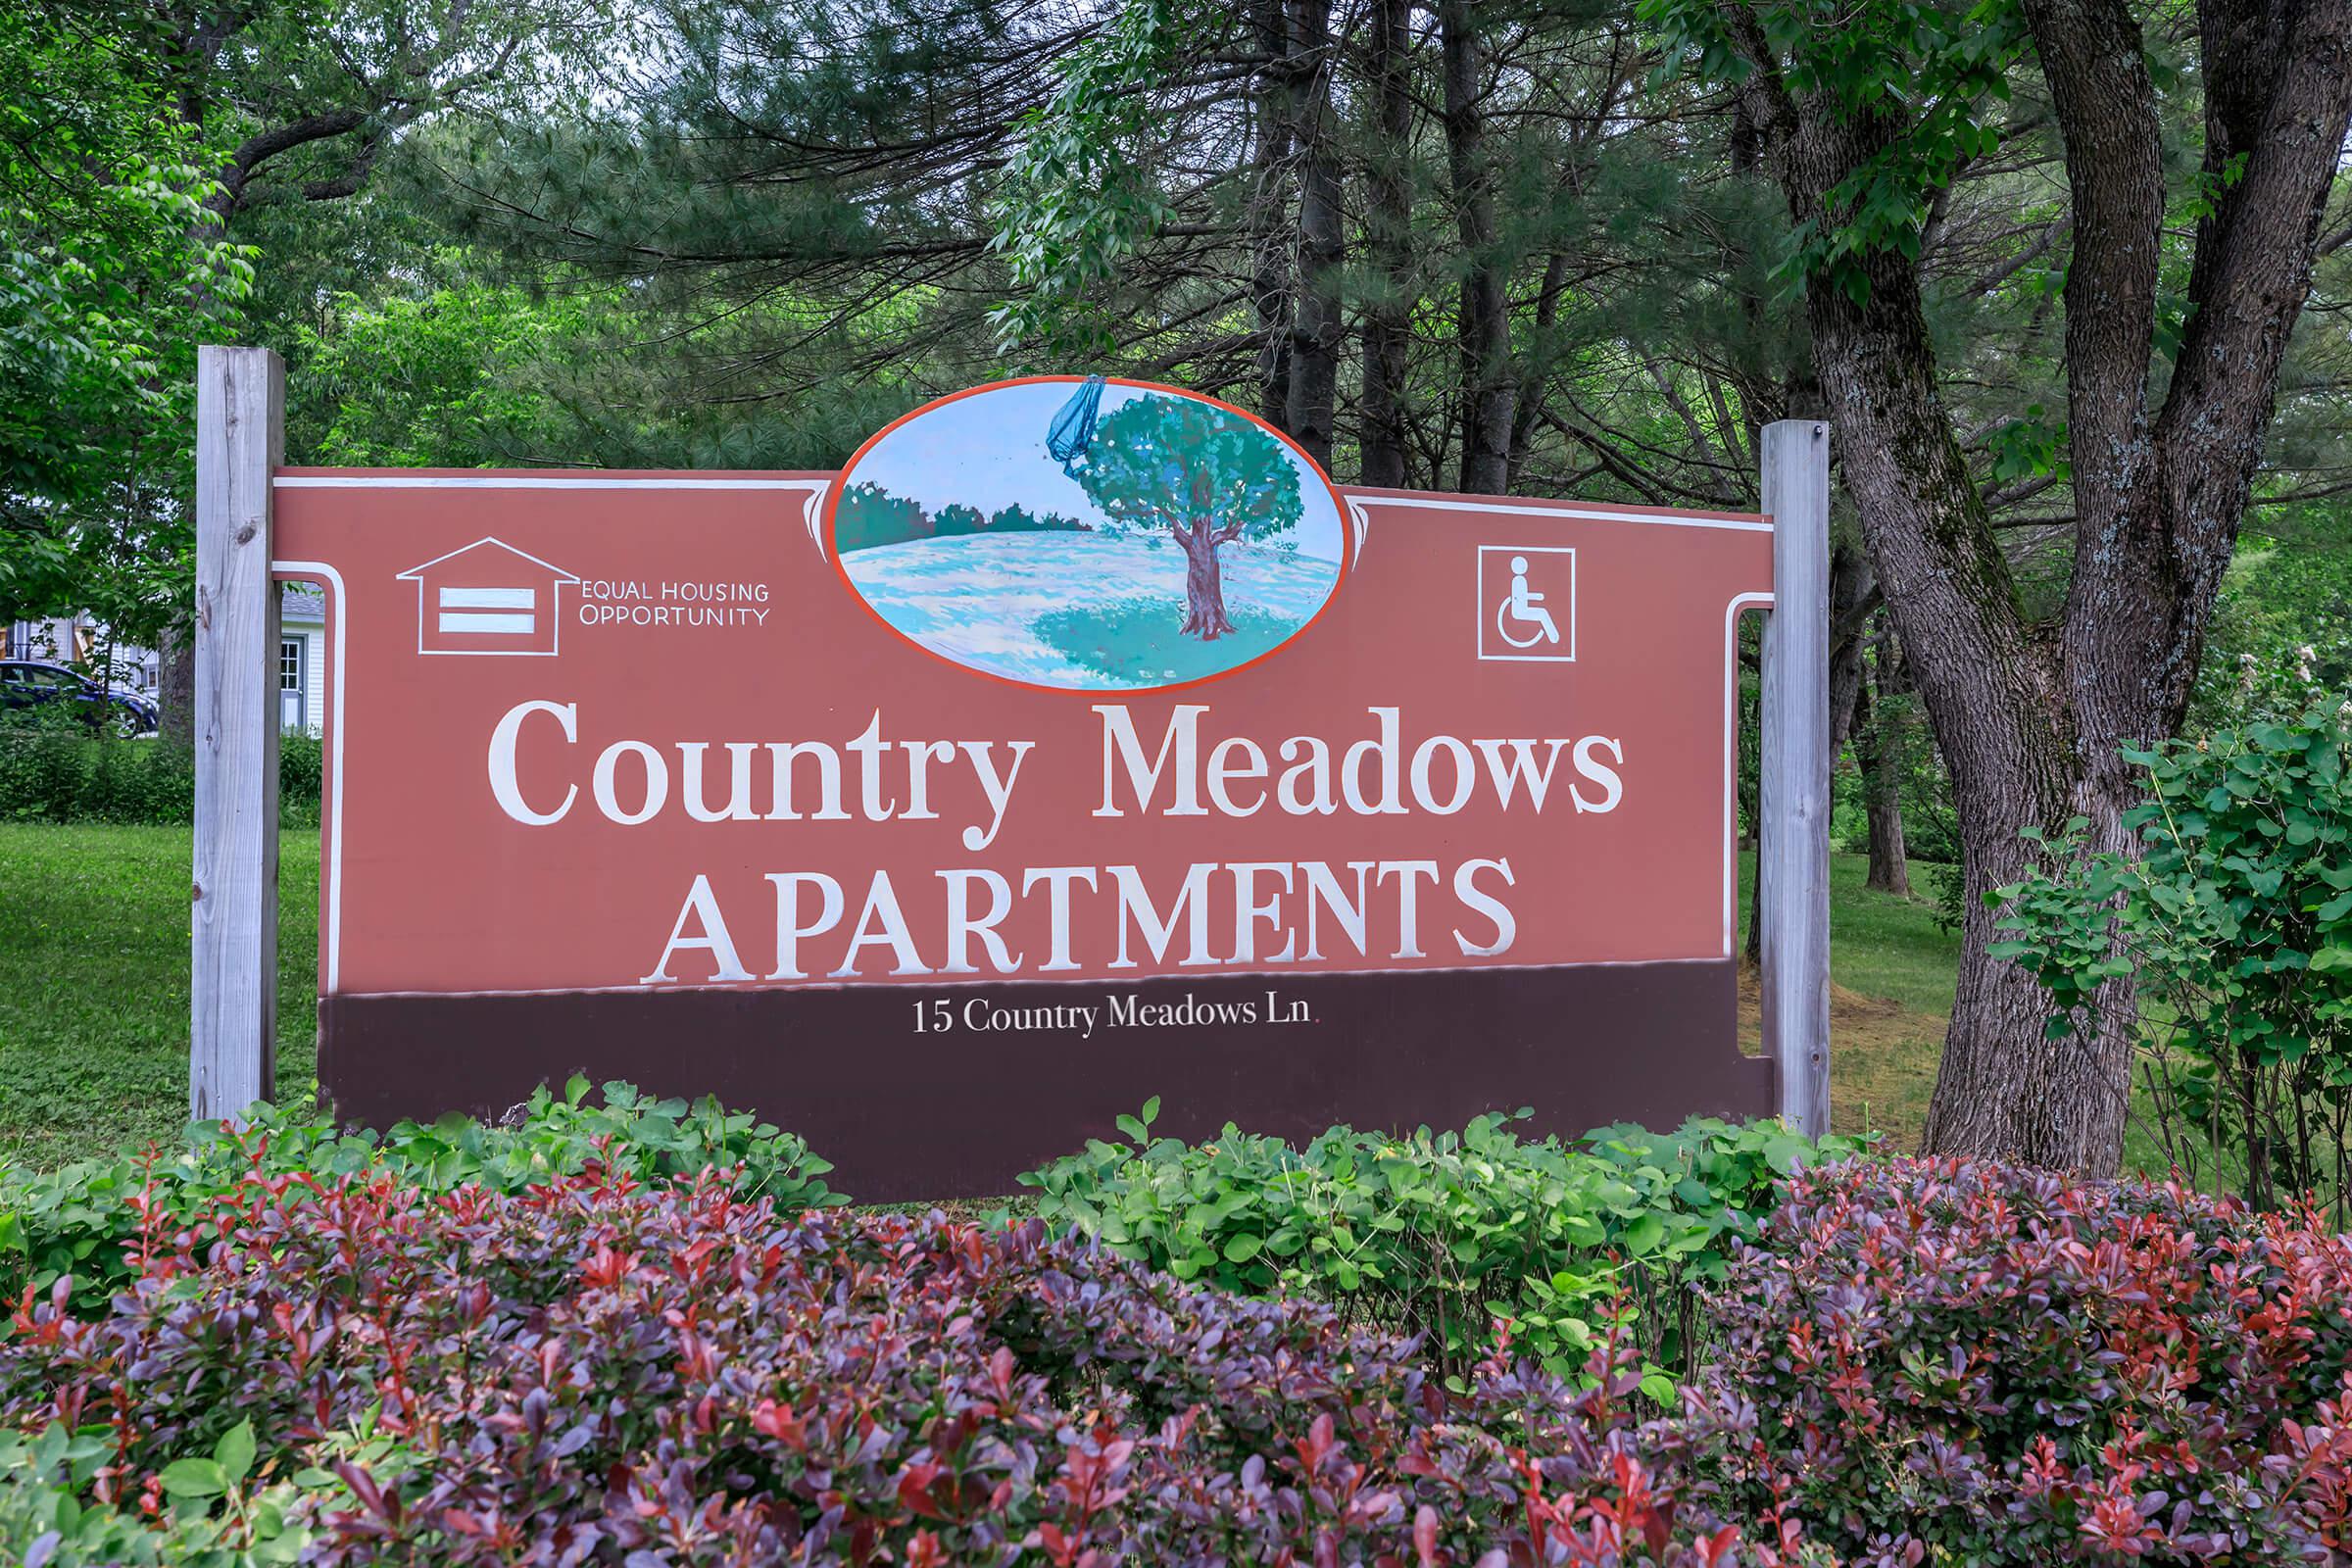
<point x="233" y="1454"/>
<point x="194" y="1478"/>
<point x="1241" y="1249"/>
<point x="1645" y="1234"/>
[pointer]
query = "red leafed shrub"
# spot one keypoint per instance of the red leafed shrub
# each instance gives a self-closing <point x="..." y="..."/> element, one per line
<point x="594" y="1373"/>
<point x="1943" y="1362"/>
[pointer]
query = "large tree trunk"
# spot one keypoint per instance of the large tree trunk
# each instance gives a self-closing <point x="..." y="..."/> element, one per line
<point x="1388" y="237"/>
<point x="1203" y="582"/>
<point x="1889" y="858"/>
<point x="1321" y="332"/>
<point x="1535" y="366"/>
<point x="1271" y="280"/>
<point x="1489" y="392"/>
<point x="1881" y="746"/>
<point x="2158" y="501"/>
<point x="1850" y="588"/>
<point x="175" y="688"/>
<point x="2029" y="724"/>
<point x="2005" y="1086"/>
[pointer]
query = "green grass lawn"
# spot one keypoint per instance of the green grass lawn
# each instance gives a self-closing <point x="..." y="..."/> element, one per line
<point x="94" y="984"/>
<point x="94" y="990"/>
<point x="1892" y="973"/>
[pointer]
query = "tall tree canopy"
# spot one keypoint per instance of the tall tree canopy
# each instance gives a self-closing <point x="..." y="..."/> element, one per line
<point x="107" y="253"/>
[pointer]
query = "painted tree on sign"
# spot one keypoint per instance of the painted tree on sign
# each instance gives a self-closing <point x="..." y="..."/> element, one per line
<point x="1205" y="474"/>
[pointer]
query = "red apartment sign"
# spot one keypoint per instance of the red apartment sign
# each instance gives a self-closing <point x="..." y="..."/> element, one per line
<point x="1077" y="743"/>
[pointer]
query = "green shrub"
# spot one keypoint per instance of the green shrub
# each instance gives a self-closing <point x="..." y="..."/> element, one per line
<point x="85" y="1219"/>
<point x="594" y="1373"/>
<point x="2233" y="924"/>
<point x="1966" y="1365"/>
<point x="1446" y="1235"/>
<point x="54" y="769"/>
<point x="301" y="779"/>
<point x="210" y="1511"/>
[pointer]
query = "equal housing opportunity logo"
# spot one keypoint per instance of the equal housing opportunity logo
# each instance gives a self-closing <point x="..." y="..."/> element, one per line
<point x="489" y="598"/>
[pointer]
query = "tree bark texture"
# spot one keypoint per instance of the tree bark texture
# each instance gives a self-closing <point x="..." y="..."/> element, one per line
<point x="1883" y="753"/>
<point x="1381" y="438"/>
<point x="176" y="688"/>
<point x="1850" y="586"/>
<point x="1489" y="391"/>
<point x="1271" y="277"/>
<point x="1321" y="329"/>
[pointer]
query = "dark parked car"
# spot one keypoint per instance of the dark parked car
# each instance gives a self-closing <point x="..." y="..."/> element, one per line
<point x="27" y="683"/>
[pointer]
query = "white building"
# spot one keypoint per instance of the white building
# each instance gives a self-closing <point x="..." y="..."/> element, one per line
<point x="302" y="661"/>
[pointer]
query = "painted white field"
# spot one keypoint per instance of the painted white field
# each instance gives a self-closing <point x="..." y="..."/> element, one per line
<point x="1094" y="612"/>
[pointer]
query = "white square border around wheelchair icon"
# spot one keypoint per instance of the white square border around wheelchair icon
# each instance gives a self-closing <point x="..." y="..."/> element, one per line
<point x="1492" y="646"/>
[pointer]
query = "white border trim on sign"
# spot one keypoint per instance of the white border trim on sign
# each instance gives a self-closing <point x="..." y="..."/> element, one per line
<point x="338" y="614"/>
<point x="1565" y="510"/>
<point x="1731" y="765"/>
<point x="516" y="482"/>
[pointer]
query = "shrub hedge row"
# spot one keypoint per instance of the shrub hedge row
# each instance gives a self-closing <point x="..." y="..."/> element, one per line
<point x="83" y="1222"/>
<point x="630" y="1335"/>
<point x="52" y="769"/>
<point x="1447" y="1235"/>
<point x="594" y="1371"/>
<point x="1939" y="1362"/>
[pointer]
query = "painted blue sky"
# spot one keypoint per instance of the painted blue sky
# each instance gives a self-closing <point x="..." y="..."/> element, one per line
<point x="989" y="451"/>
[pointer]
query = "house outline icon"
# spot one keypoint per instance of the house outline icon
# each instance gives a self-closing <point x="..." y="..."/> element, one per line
<point x="506" y="604"/>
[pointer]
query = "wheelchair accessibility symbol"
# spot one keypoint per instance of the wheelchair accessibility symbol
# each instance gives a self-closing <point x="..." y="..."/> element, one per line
<point x="1527" y="603"/>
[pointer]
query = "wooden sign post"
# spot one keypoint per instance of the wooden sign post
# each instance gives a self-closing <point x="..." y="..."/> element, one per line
<point x="1792" y="844"/>
<point x="240" y="403"/>
<point x="1079" y="741"/>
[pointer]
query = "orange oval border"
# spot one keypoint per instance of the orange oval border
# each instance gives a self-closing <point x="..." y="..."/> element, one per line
<point x="1339" y="502"/>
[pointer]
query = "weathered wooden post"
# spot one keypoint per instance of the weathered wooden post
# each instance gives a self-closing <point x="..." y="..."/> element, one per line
<point x="1793" y="850"/>
<point x="232" y="1024"/>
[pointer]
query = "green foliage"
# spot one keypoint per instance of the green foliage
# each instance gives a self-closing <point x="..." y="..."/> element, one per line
<point x="88" y="1221"/>
<point x="2233" y="920"/>
<point x="1918" y="76"/>
<point x="439" y="381"/>
<point x="1446" y="1235"/>
<point x="957" y="518"/>
<point x="869" y="515"/>
<point x="2030" y="447"/>
<point x="2282" y="641"/>
<point x="53" y="770"/>
<point x="212" y="1511"/>
<point x="109" y="256"/>
<point x="1076" y="198"/>
<point x="102" y="206"/>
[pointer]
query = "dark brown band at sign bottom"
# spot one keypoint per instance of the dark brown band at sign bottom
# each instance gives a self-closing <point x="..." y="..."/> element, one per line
<point x="916" y="1092"/>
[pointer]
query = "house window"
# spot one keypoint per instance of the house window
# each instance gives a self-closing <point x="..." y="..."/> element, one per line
<point x="293" y="692"/>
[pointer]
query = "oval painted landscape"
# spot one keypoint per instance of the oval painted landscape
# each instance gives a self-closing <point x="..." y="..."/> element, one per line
<point x="1095" y="535"/>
